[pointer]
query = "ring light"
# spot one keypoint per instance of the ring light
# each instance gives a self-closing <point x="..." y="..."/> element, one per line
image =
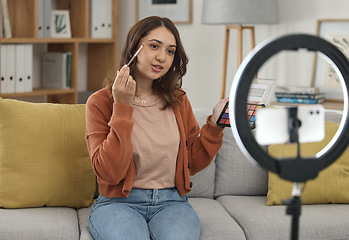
<point x="300" y="169"/>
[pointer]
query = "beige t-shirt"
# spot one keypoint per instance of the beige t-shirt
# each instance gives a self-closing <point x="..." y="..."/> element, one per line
<point x="155" y="141"/>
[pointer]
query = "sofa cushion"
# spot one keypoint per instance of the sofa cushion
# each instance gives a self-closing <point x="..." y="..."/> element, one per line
<point x="215" y="222"/>
<point x="43" y="155"/>
<point x="330" y="186"/>
<point x="261" y="222"/>
<point x="235" y="174"/>
<point x="203" y="181"/>
<point x="39" y="223"/>
<point x="333" y="115"/>
<point x="83" y="215"/>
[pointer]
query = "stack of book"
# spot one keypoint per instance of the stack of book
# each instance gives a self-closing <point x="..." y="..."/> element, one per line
<point x="57" y="70"/>
<point x="306" y="95"/>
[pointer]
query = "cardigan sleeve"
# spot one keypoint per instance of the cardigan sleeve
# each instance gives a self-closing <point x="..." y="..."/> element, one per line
<point x="108" y="136"/>
<point x="202" y="144"/>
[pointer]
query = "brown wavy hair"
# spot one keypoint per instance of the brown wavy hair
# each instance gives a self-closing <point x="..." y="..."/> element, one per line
<point x="168" y="87"/>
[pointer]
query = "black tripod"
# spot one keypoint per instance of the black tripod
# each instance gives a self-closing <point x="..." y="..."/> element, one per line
<point x="294" y="204"/>
<point x="294" y="209"/>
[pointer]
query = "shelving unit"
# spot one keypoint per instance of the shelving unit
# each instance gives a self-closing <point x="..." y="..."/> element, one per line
<point x="101" y="53"/>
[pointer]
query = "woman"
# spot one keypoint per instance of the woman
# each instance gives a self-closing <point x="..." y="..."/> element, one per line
<point x="144" y="141"/>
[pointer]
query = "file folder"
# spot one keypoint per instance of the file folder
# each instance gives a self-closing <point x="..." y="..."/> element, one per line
<point x="20" y="67"/>
<point x="41" y="18"/>
<point x="28" y="68"/>
<point x="47" y="18"/>
<point x="4" y="79"/>
<point x="101" y="19"/>
<point x="11" y="67"/>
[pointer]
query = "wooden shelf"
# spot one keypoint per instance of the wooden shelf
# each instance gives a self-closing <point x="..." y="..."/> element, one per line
<point x="333" y="104"/>
<point x="39" y="92"/>
<point x="101" y="53"/>
<point x="56" y="40"/>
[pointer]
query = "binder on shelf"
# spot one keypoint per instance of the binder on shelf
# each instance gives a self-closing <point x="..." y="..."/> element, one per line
<point x="56" y="68"/>
<point x="4" y="80"/>
<point x="40" y="18"/>
<point x="28" y="70"/>
<point x="47" y="7"/>
<point x="11" y="67"/>
<point x="20" y="68"/>
<point x="5" y="20"/>
<point x="109" y="19"/>
<point x="101" y="19"/>
<point x="16" y="68"/>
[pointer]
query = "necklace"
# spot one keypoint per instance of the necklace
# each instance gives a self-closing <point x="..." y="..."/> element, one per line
<point x="146" y="101"/>
<point x="143" y="100"/>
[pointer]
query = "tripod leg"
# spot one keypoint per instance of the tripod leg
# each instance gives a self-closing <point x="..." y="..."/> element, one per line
<point x="294" y="209"/>
<point x="296" y="212"/>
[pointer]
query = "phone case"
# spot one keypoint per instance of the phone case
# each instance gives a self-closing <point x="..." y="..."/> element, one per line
<point x="273" y="125"/>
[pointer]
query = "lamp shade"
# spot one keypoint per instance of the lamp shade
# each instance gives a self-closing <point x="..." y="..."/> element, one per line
<point x="240" y="12"/>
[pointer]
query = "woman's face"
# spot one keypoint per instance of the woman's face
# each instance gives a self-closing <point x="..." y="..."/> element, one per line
<point x="157" y="55"/>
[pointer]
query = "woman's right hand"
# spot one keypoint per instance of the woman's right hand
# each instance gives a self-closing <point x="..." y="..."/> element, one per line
<point x="124" y="87"/>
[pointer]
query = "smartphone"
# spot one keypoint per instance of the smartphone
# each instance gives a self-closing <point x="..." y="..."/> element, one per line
<point x="252" y="108"/>
<point x="272" y="124"/>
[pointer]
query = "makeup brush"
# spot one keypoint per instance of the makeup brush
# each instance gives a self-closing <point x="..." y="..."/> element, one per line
<point x="135" y="55"/>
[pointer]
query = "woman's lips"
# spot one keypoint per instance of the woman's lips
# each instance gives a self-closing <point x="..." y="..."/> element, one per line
<point x="157" y="68"/>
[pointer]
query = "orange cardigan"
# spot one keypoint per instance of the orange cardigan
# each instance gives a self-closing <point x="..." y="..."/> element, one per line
<point x="108" y="136"/>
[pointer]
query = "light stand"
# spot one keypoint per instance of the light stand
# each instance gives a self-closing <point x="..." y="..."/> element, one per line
<point x="240" y="30"/>
<point x="294" y="209"/>
<point x="236" y="14"/>
<point x="297" y="169"/>
<point x="294" y="204"/>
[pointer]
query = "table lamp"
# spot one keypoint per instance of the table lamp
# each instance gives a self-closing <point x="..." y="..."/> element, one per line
<point x="234" y="14"/>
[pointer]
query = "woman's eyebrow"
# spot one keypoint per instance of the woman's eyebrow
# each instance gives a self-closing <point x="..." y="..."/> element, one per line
<point x="158" y="41"/>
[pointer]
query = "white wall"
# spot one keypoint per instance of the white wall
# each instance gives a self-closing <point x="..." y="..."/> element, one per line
<point x="204" y="46"/>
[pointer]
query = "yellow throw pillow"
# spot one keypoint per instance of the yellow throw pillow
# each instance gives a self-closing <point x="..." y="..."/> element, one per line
<point x="43" y="156"/>
<point x="330" y="186"/>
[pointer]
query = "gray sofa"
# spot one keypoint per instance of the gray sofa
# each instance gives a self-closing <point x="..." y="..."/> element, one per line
<point x="229" y="197"/>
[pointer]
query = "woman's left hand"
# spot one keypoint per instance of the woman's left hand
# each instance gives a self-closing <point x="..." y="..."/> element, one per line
<point x="217" y="111"/>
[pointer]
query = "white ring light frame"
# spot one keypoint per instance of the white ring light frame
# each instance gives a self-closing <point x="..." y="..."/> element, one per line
<point x="295" y="170"/>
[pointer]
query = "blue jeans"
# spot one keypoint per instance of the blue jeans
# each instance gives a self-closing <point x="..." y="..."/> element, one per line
<point x="146" y="214"/>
